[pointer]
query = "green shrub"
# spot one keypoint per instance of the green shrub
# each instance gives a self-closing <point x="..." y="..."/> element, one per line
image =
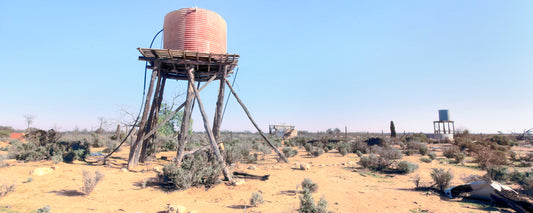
<point x="425" y="160"/>
<point x="308" y="147"/>
<point x="419" y="137"/>
<point x="454" y="153"/>
<point x="317" y="151"/>
<point x="307" y="203"/>
<point x="501" y="140"/>
<point x="289" y="152"/>
<point x="359" y="153"/>
<point x="417" y="147"/>
<point x="237" y="151"/>
<point x="307" y="184"/>
<point x="406" y="167"/>
<point x="359" y="146"/>
<point x="194" y="171"/>
<point x="343" y="148"/>
<point x="390" y="153"/>
<point x="256" y="199"/>
<point x="374" y="162"/>
<point x="441" y="178"/>
<point x="498" y="173"/>
<point x="432" y="155"/>
<point x="45" y="209"/>
<point x="43" y="145"/>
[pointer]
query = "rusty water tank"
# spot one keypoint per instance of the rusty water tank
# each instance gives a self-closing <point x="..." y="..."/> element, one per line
<point x="196" y="30"/>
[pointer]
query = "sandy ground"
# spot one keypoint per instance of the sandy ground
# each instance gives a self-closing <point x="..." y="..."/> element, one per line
<point x="345" y="190"/>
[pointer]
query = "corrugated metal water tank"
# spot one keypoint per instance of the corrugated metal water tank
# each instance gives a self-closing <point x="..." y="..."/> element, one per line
<point x="196" y="30"/>
<point x="444" y="115"/>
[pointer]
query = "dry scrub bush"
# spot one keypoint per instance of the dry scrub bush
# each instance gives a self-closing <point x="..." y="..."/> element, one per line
<point x="6" y="188"/>
<point x="455" y="153"/>
<point x="90" y="180"/>
<point x="406" y="167"/>
<point x="417" y="180"/>
<point x="256" y="199"/>
<point x="416" y="147"/>
<point x="45" y="145"/>
<point x="486" y="157"/>
<point x="307" y="203"/>
<point x="45" y="209"/>
<point x="441" y="178"/>
<point x="196" y="170"/>
<point x="289" y="152"/>
<point x="425" y="159"/>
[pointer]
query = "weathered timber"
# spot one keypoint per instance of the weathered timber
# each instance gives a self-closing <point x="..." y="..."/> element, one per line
<point x="217" y="121"/>
<point x="210" y="135"/>
<point x="152" y="118"/>
<point x="167" y="119"/>
<point x="184" y="128"/>
<point x="135" y="148"/>
<point x="281" y="155"/>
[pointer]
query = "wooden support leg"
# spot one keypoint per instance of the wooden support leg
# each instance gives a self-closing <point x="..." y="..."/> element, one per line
<point x="184" y="128"/>
<point x="281" y="155"/>
<point x="135" y="148"/>
<point x="154" y="130"/>
<point x="152" y="118"/>
<point x="220" y="105"/>
<point x="212" y="140"/>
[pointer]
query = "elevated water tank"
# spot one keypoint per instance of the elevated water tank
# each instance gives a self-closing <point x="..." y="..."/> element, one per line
<point x="444" y="115"/>
<point x="196" y="30"/>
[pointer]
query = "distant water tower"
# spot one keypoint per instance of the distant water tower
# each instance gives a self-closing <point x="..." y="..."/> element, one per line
<point x="444" y="128"/>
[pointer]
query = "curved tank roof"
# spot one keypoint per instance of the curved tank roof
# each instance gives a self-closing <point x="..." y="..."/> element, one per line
<point x="196" y="30"/>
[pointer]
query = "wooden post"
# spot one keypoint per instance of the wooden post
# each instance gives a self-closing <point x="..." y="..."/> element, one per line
<point x="220" y="105"/>
<point x="210" y="135"/>
<point x="281" y="155"/>
<point x="184" y="128"/>
<point x="167" y="119"/>
<point x="152" y="118"/>
<point x="135" y="148"/>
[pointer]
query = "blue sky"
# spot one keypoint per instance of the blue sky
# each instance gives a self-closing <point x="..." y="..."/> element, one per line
<point x="312" y="64"/>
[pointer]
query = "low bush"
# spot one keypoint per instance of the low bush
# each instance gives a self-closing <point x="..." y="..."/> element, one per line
<point x="44" y="145"/>
<point x="307" y="184"/>
<point x="406" y="167"/>
<point x="418" y="147"/>
<point x="307" y="203"/>
<point x="374" y="162"/>
<point x="417" y="180"/>
<point x="45" y="209"/>
<point x="486" y="157"/>
<point x="236" y="151"/>
<point x="426" y="160"/>
<point x="441" y="178"/>
<point x="359" y="154"/>
<point x="498" y="173"/>
<point x="419" y="137"/>
<point x="454" y="153"/>
<point x="256" y="199"/>
<point x="432" y="155"/>
<point x="195" y="170"/>
<point x="390" y="153"/>
<point x="90" y="180"/>
<point x="289" y="152"/>
<point x="375" y="141"/>
<point x="343" y="148"/>
<point x="317" y="151"/>
<point x="359" y="146"/>
<point x="501" y="140"/>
